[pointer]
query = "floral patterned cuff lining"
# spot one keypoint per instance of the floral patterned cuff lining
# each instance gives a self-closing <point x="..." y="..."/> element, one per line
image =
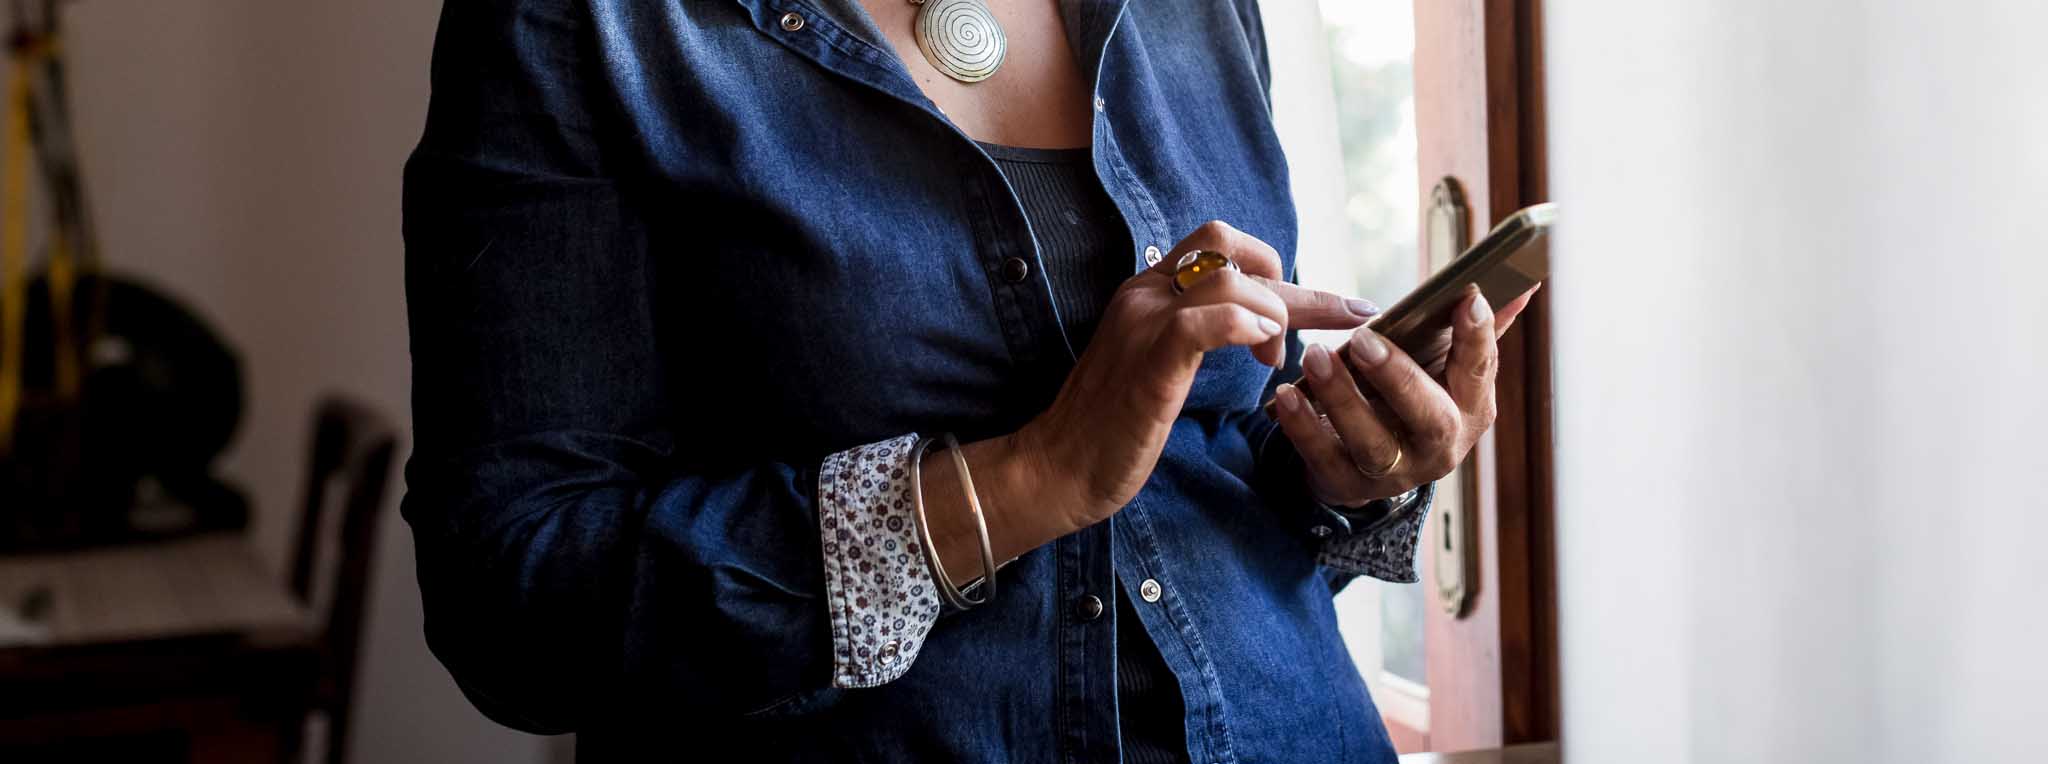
<point x="877" y="585"/>
<point x="1386" y="549"/>
<point x="880" y="591"/>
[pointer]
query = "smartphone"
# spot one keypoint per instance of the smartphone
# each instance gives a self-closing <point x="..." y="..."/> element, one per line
<point x="1512" y="258"/>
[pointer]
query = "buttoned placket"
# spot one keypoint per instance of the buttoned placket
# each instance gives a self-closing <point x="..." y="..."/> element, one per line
<point x="1150" y="583"/>
<point x="1087" y="562"/>
<point x="1129" y="534"/>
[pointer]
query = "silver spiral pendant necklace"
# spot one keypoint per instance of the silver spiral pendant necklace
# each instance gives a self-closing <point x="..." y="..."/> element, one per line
<point x="960" y="37"/>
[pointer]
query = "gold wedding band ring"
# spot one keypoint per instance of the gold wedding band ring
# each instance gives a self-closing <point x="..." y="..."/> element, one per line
<point x="1384" y="471"/>
<point x="1197" y="265"/>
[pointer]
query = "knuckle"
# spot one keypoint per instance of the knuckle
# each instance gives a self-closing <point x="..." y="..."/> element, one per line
<point x="1444" y="427"/>
<point x="1296" y="425"/>
<point x="1259" y="251"/>
<point x="1440" y="465"/>
<point x="1214" y="234"/>
<point x="1342" y="405"/>
<point x="1433" y="461"/>
<point x="1428" y="444"/>
<point x="1248" y="244"/>
<point x="1370" y="456"/>
<point x="1236" y="320"/>
<point x="1256" y="246"/>
<point x="1327" y="301"/>
<point x="1406" y="385"/>
<point x="1482" y="366"/>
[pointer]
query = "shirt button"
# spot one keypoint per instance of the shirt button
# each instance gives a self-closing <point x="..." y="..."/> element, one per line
<point x="1100" y="104"/>
<point x="1321" y="531"/>
<point x="1152" y="256"/>
<point x="1015" y="269"/>
<point x="792" y="22"/>
<point x="890" y="653"/>
<point x="1088" y="608"/>
<point x="1149" y="590"/>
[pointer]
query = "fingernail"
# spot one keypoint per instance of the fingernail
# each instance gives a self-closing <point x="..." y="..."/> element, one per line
<point x="1289" y="398"/>
<point x="1361" y="307"/>
<point x="1370" y="350"/>
<point x="1316" y="361"/>
<point x="1480" y="310"/>
<point x="1268" y="325"/>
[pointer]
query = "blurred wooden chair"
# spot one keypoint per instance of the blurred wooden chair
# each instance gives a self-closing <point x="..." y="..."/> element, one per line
<point x="349" y="464"/>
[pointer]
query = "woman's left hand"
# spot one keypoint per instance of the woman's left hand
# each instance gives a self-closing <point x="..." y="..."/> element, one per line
<point x="1416" y="429"/>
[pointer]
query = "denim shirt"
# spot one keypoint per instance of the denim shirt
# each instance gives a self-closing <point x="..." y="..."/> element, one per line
<point x="665" y="256"/>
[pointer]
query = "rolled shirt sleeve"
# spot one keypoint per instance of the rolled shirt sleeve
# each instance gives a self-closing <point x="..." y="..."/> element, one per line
<point x="1380" y="540"/>
<point x="878" y="586"/>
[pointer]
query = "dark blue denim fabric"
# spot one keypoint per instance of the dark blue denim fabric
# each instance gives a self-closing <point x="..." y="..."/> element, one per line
<point x="665" y="255"/>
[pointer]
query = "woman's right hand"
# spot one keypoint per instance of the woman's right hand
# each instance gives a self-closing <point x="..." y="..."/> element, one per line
<point x="1087" y="455"/>
<point x="1101" y="437"/>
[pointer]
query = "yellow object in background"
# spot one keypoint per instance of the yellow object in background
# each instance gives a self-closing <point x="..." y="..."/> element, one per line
<point x="14" y="244"/>
<point x="26" y="61"/>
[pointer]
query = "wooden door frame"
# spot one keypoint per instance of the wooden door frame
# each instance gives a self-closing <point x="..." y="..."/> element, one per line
<point x="1479" y="119"/>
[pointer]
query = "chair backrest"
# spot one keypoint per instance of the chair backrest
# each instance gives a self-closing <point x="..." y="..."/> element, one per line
<point x="351" y="456"/>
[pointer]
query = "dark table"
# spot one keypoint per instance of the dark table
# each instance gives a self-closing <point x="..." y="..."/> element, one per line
<point x="177" y="651"/>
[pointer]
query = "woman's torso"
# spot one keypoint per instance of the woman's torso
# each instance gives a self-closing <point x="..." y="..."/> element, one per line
<point x="833" y="263"/>
<point x="1079" y="237"/>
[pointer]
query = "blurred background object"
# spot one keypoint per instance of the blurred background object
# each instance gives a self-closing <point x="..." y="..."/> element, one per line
<point x="126" y="454"/>
<point x="236" y="178"/>
<point x="349" y="465"/>
<point x="114" y="399"/>
<point x="186" y="648"/>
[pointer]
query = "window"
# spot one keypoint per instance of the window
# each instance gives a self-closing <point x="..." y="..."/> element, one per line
<point x="1376" y="101"/>
<point x="1349" y="92"/>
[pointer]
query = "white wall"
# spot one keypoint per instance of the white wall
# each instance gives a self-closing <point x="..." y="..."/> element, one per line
<point x="245" y="154"/>
<point x="1800" y="369"/>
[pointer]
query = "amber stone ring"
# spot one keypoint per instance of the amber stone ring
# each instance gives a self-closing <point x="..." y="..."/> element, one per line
<point x="1197" y="265"/>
